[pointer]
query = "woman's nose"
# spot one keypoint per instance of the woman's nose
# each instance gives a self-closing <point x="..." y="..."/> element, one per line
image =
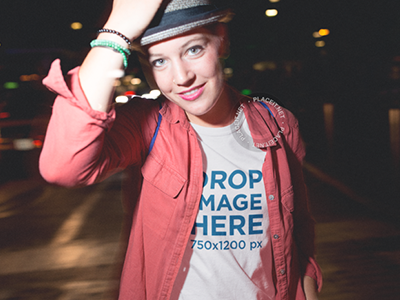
<point x="183" y="76"/>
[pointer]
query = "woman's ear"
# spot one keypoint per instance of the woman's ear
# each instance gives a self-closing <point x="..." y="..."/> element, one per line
<point x="224" y="49"/>
<point x="222" y="33"/>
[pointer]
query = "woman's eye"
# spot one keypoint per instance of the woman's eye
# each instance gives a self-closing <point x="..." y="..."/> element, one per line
<point x="195" y="50"/>
<point x="158" y="62"/>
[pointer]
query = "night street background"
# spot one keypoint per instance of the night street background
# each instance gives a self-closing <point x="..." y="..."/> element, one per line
<point x="58" y="243"/>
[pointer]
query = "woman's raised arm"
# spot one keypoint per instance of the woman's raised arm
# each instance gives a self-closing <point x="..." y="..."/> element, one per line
<point x="103" y="65"/>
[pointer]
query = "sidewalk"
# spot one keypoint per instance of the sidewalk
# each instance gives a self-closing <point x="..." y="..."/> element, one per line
<point x="358" y="247"/>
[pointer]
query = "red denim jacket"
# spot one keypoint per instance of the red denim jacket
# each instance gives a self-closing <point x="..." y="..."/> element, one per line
<point x="165" y="196"/>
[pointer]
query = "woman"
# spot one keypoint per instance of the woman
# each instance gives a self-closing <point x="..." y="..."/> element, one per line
<point x="220" y="204"/>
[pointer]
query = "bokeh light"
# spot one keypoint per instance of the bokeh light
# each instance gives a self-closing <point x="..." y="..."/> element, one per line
<point x="324" y="32"/>
<point x="76" y="26"/>
<point x="10" y="85"/>
<point x="270" y="13"/>
<point x="122" y="99"/>
<point x="316" y="34"/>
<point x="246" y="92"/>
<point x="136" y="81"/>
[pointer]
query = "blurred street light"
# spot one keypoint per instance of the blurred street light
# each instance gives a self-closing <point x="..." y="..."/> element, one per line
<point x="324" y="32"/>
<point x="271" y="12"/>
<point x="228" y="71"/>
<point x="246" y="92"/>
<point x="122" y="99"/>
<point x="136" y="81"/>
<point x="10" y="85"/>
<point x="321" y="33"/>
<point x="264" y="65"/>
<point x="31" y="77"/>
<point x="316" y="34"/>
<point x="76" y="26"/>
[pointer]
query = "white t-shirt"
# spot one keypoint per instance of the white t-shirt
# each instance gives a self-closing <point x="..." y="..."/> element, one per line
<point x="229" y="254"/>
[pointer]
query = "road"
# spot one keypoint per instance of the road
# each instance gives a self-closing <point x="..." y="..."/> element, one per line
<point x="59" y="243"/>
<point x="64" y="244"/>
<point x="358" y="249"/>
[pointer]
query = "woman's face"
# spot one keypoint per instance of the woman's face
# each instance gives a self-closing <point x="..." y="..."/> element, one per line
<point x="187" y="71"/>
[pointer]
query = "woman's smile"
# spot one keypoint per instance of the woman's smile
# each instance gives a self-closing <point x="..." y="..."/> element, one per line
<point x="193" y="93"/>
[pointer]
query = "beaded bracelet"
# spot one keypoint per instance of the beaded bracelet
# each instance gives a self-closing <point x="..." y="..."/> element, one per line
<point x="117" y="33"/>
<point x="115" y="46"/>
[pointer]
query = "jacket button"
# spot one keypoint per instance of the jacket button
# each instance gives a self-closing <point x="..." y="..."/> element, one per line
<point x="271" y="197"/>
<point x="276" y="236"/>
<point x="282" y="271"/>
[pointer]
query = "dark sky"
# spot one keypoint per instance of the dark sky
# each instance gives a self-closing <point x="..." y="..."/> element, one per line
<point x="46" y="23"/>
<point x="372" y="26"/>
<point x="364" y="38"/>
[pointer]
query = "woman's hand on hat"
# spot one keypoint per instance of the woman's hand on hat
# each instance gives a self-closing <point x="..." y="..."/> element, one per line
<point x="131" y="17"/>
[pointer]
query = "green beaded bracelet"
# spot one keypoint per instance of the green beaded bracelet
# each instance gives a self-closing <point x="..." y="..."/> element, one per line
<point x="115" y="46"/>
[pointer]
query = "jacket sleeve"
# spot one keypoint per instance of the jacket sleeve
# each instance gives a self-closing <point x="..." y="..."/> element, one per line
<point x="304" y="231"/>
<point x="82" y="145"/>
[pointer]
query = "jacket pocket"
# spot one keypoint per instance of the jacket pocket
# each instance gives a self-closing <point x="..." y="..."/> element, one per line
<point x="162" y="176"/>
<point x="287" y="210"/>
<point x="160" y="190"/>
<point x="287" y="199"/>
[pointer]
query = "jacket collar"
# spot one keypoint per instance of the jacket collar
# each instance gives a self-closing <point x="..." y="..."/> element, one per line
<point x="263" y="126"/>
<point x="174" y="114"/>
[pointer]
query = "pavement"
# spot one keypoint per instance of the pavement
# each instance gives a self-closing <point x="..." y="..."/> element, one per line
<point x="358" y="247"/>
<point x="65" y="244"/>
<point x="59" y="243"/>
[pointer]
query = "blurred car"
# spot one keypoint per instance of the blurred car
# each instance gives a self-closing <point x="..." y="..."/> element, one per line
<point x="16" y="135"/>
<point x="20" y="127"/>
<point x="24" y="115"/>
<point x="25" y="106"/>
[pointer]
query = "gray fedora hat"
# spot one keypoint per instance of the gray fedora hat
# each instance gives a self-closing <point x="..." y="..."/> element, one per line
<point x="180" y="16"/>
